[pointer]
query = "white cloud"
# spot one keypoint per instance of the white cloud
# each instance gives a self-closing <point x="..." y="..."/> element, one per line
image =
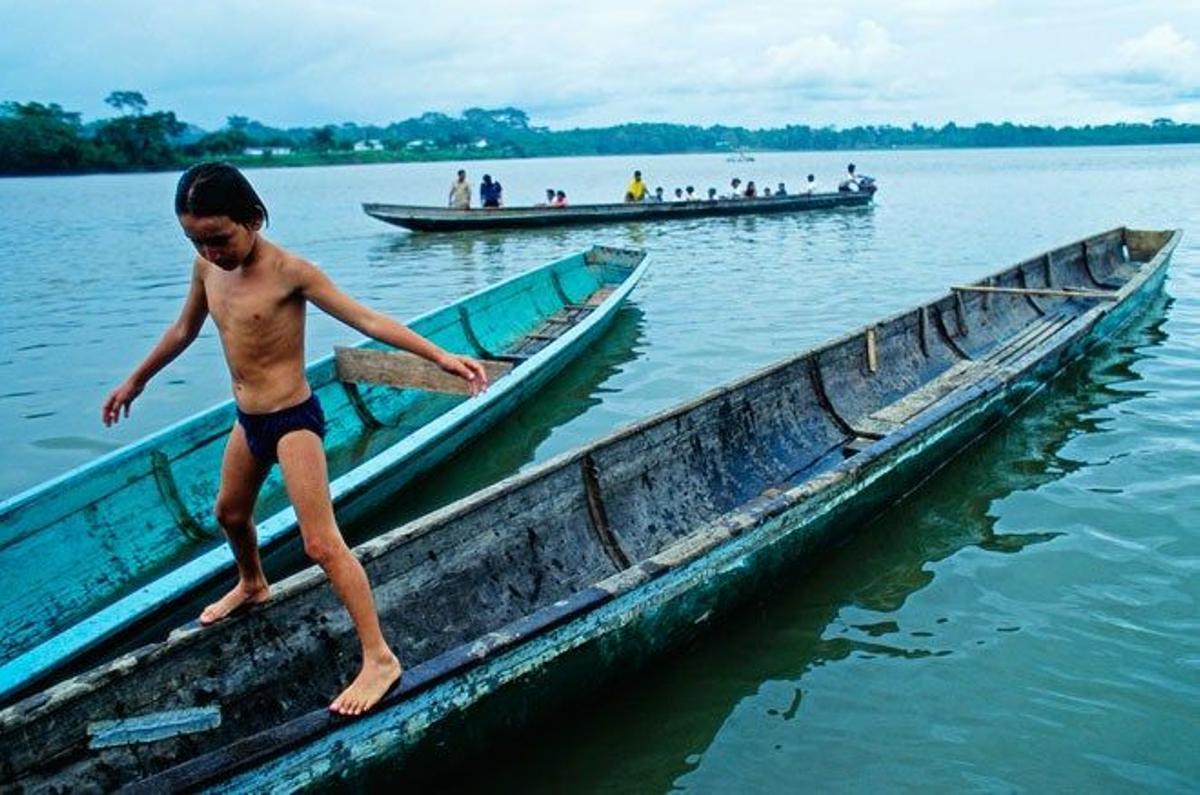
<point x="817" y="58"/>
<point x="1161" y="55"/>
<point x="1159" y="68"/>
<point x="756" y="62"/>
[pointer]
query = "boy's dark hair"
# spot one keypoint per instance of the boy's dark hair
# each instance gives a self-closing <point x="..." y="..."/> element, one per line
<point x="208" y="189"/>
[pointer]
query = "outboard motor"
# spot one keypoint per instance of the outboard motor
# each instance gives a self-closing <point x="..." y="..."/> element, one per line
<point x="861" y="183"/>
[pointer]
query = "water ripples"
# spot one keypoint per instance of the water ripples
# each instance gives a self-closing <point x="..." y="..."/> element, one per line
<point x="1025" y="621"/>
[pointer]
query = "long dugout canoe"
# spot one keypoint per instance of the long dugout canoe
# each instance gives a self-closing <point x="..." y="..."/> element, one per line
<point x="111" y="547"/>
<point x="541" y="587"/>
<point x="441" y="219"/>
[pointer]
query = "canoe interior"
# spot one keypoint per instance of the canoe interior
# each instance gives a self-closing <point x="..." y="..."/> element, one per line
<point x="441" y="219"/>
<point x="105" y="529"/>
<point x="444" y="583"/>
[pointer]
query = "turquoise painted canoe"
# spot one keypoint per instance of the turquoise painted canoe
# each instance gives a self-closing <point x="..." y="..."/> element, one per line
<point x="100" y="551"/>
<point x="539" y="588"/>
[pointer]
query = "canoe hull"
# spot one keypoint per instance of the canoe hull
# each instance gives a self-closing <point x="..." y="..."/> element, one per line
<point x="436" y="219"/>
<point x="458" y="717"/>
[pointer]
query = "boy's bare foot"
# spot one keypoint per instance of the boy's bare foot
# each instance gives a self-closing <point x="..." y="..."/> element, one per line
<point x="373" y="681"/>
<point x="241" y="596"/>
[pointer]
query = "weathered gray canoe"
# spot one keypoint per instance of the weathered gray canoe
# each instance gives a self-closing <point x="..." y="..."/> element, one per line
<point x="441" y="219"/>
<point x="542" y="586"/>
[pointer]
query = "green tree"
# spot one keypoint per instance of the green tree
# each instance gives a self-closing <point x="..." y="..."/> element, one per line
<point x="40" y="139"/>
<point x="322" y="138"/>
<point x="222" y="142"/>
<point x="143" y="140"/>
<point x="133" y="101"/>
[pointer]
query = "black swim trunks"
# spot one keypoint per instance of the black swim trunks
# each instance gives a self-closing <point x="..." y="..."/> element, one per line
<point x="263" y="431"/>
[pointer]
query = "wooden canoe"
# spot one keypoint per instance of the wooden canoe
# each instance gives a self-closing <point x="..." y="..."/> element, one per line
<point x="439" y="219"/>
<point x="542" y="586"/>
<point x="102" y="551"/>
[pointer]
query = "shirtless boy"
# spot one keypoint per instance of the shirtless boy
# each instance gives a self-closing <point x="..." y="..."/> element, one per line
<point x="256" y="293"/>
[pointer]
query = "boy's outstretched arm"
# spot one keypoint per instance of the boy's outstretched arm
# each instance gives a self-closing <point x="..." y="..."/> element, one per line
<point x="174" y="340"/>
<point x="317" y="287"/>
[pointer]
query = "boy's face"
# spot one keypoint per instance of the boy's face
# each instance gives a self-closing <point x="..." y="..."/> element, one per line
<point x="219" y="239"/>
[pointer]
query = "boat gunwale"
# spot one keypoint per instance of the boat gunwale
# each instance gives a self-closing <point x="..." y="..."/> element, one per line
<point x="245" y="753"/>
<point x="42" y="659"/>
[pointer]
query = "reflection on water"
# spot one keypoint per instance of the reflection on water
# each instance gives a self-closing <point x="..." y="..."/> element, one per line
<point x="843" y="607"/>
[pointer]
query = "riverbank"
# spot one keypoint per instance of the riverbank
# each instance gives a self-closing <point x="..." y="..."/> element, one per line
<point x="38" y="139"/>
<point x="311" y="159"/>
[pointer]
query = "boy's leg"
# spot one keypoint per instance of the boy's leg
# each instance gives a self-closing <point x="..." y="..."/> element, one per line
<point x="242" y="476"/>
<point x="302" y="457"/>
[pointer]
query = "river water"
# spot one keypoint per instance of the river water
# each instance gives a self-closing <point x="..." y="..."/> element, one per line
<point x="1026" y="621"/>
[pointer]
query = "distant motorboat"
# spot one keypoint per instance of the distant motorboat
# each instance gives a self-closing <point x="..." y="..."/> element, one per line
<point x="740" y="157"/>
<point x="442" y="219"/>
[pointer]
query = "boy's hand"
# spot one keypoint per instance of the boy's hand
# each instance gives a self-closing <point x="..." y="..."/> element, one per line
<point x="120" y="398"/>
<point x="467" y="369"/>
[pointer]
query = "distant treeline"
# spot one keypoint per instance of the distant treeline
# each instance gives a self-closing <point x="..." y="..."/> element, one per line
<point x="38" y="138"/>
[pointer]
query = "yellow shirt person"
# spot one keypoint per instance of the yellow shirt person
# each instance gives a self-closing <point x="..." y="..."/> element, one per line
<point x="636" y="191"/>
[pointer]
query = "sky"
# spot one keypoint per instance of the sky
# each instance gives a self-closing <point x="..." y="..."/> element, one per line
<point x="572" y="64"/>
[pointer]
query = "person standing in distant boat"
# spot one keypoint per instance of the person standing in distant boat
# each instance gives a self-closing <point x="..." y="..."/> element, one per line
<point x="549" y="199"/>
<point x="735" y="189"/>
<point x="712" y="194"/>
<point x="491" y="193"/>
<point x="460" y="192"/>
<point x="560" y="199"/>
<point x="781" y="190"/>
<point x="636" y="190"/>
<point x="851" y="182"/>
<point x="751" y="190"/>
<point x="690" y="193"/>
<point x="257" y="294"/>
<point x="808" y="187"/>
<point x="656" y="197"/>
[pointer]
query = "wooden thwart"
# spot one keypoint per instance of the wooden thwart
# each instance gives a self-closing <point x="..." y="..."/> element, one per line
<point x="597" y="298"/>
<point x="1099" y="295"/>
<point x="405" y="370"/>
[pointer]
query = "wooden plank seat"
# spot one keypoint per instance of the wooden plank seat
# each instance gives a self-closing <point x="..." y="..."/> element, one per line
<point x="407" y="371"/>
